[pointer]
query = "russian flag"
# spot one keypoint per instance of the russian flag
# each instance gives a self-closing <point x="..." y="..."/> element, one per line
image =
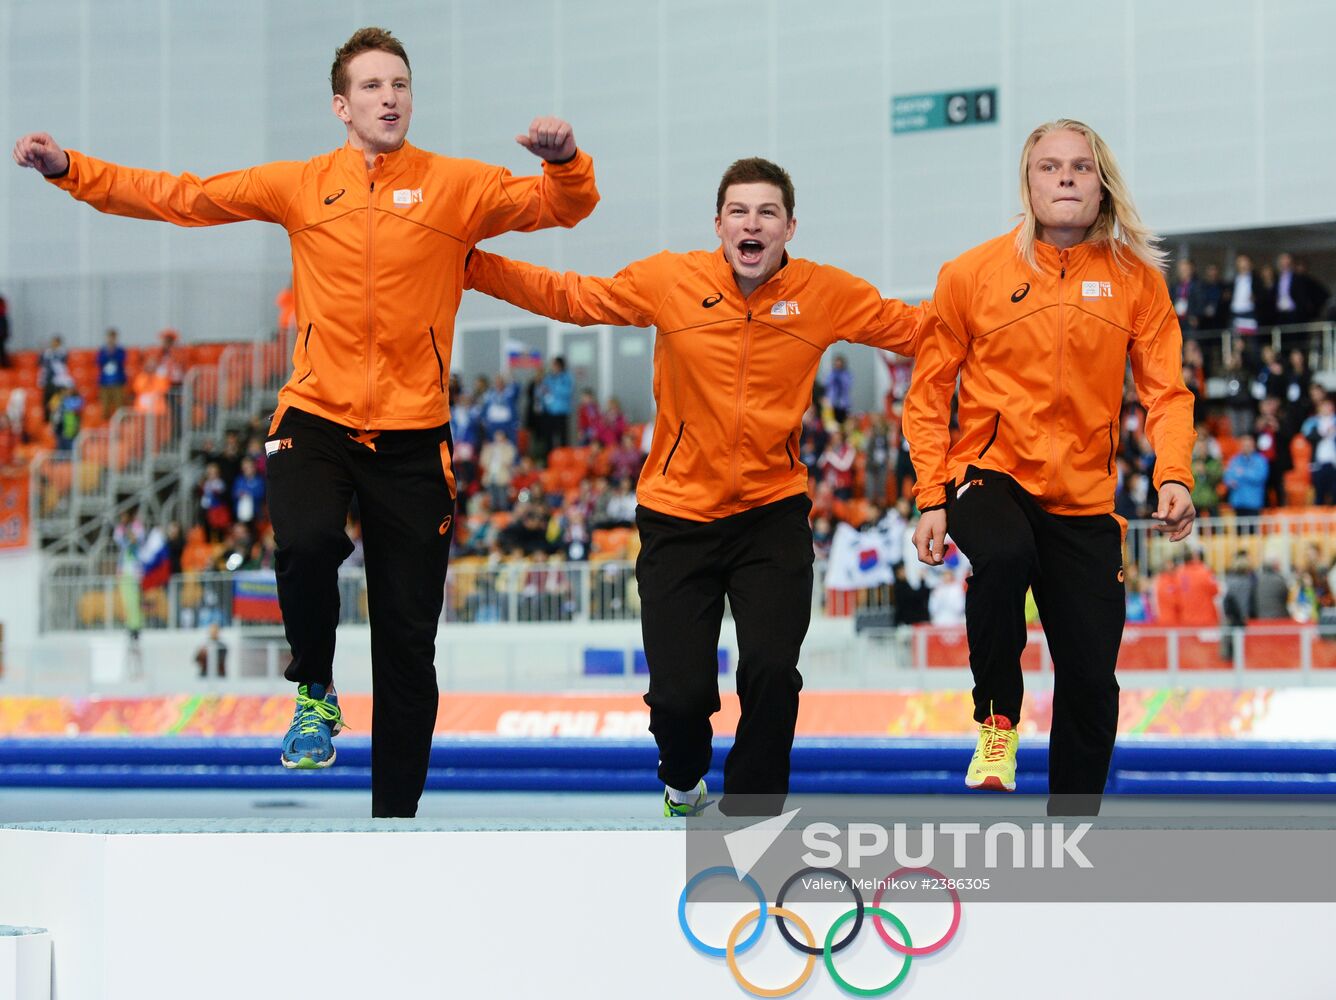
<point x="519" y="355"/>
<point x="155" y="561"/>
<point x="255" y="597"/>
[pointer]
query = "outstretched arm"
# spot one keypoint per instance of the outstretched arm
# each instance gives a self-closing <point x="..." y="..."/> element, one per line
<point x="183" y="199"/>
<point x="549" y="138"/>
<point x="562" y="195"/>
<point x="42" y="153"/>
<point x="864" y="317"/>
<point x="569" y="297"/>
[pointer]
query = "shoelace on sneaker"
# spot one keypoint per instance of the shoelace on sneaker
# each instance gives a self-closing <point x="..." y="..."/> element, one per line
<point x="995" y="743"/>
<point x="311" y="713"/>
<point x="995" y="746"/>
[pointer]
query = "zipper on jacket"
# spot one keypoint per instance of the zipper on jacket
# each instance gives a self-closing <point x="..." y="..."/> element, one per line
<point x="673" y="451"/>
<point x="997" y="419"/>
<point x="1057" y="377"/>
<point x="1108" y="468"/>
<point x="440" y="365"/>
<point x="306" y="349"/>
<point x="740" y="400"/>
<point x="370" y="303"/>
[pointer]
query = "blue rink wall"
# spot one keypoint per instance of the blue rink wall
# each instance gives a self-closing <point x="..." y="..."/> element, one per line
<point x="1141" y="766"/>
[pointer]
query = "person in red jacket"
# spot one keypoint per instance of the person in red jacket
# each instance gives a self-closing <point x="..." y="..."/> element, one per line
<point x="1197" y="590"/>
<point x="379" y="231"/>
<point x="1169" y="594"/>
<point x="723" y="507"/>
<point x="1038" y="326"/>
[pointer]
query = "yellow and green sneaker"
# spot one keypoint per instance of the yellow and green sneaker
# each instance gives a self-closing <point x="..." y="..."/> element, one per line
<point x="692" y="808"/>
<point x="994" y="763"/>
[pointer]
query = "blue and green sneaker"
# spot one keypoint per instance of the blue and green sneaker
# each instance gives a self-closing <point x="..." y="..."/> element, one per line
<point x="315" y="723"/>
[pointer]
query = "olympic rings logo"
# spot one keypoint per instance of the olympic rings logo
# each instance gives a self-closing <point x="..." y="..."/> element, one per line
<point x="827" y="950"/>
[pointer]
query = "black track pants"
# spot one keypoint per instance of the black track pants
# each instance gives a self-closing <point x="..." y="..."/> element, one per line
<point x="762" y="560"/>
<point x="404" y="491"/>
<point x="1074" y="564"/>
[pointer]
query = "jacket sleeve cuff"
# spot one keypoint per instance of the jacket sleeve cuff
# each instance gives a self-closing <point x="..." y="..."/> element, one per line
<point x="1177" y="482"/>
<point x="61" y="179"/>
<point x="576" y="158"/>
<point x="932" y="497"/>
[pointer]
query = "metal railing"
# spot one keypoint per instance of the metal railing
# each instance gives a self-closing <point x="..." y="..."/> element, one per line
<point x="1282" y="537"/>
<point x="475" y="593"/>
<point x="515" y="594"/>
<point x="1317" y="340"/>
<point x="1186" y="650"/>
<point x="77" y="494"/>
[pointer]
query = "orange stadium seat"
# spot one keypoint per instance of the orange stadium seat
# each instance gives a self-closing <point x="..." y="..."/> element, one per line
<point x="1298" y="488"/>
<point x="34" y="417"/>
<point x="610" y="543"/>
<point x="853" y="511"/>
<point x="560" y="458"/>
<point x="130" y="447"/>
<point x="198" y="556"/>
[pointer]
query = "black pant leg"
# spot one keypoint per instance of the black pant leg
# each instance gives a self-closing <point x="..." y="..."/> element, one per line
<point x="309" y="487"/>
<point x="769" y="559"/>
<point x="558" y="430"/>
<point x="404" y="491"/>
<point x="1082" y="605"/>
<point x="681" y="609"/>
<point x="987" y="519"/>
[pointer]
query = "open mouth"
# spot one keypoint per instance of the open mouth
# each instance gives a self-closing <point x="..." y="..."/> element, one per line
<point x="750" y="251"/>
<point x="391" y="118"/>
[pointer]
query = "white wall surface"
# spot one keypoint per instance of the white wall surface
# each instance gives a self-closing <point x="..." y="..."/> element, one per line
<point x="432" y="914"/>
<point x="1216" y="108"/>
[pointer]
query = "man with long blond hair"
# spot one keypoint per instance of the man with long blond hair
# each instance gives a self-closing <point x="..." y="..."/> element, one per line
<point x="379" y="231"/>
<point x="1039" y="325"/>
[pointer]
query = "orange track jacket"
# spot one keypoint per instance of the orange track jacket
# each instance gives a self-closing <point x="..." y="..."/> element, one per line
<point x="377" y="258"/>
<point x="732" y="376"/>
<point x="1041" y="357"/>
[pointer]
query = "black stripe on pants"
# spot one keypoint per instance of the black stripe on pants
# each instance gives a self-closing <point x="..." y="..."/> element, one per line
<point x="407" y="516"/>
<point x="1074" y="564"/>
<point x="762" y="560"/>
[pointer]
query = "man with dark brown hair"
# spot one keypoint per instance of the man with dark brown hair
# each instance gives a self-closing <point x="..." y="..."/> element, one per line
<point x="723" y="508"/>
<point x="380" y="231"/>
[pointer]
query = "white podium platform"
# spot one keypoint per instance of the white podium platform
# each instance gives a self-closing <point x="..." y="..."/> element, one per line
<point x="162" y="910"/>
